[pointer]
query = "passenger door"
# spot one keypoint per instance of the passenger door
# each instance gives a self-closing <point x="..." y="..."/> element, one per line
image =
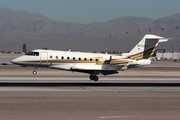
<point x="44" y="59"/>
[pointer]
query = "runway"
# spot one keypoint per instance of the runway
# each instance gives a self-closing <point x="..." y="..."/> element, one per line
<point x="82" y="87"/>
<point x="86" y="79"/>
<point x="28" y="99"/>
<point x="139" y="94"/>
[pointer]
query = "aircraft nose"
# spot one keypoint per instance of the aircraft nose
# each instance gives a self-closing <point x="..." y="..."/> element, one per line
<point x="14" y="61"/>
<point x="19" y="61"/>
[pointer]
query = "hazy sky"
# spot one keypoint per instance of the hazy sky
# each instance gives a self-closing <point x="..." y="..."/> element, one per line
<point x="88" y="11"/>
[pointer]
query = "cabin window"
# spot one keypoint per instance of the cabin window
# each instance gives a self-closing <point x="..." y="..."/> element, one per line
<point x="79" y="58"/>
<point x="62" y="57"/>
<point x="90" y="59"/>
<point x="96" y="60"/>
<point x="51" y="56"/>
<point x="68" y="58"/>
<point x="85" y="59"/>
<point x="74" y="58"/>
<point x="56" y="57"/>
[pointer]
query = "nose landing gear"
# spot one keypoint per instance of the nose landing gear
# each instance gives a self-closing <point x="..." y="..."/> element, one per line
<point x="34" y="72"/>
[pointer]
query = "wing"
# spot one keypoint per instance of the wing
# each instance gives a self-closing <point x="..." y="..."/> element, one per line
<point x="84" y="69"/>
<point x="104" y="72"/>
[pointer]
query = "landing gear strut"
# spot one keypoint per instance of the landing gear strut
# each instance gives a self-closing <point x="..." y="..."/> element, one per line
<point x="35" y="71"/>
<point x="93" y="77"/>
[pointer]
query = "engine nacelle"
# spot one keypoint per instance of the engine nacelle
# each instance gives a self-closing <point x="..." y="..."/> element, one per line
<point x="144" y="62"/>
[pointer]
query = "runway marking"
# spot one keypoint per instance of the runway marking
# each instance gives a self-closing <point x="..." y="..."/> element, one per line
<point x="112" y="117"/>
<point x="86" y="78"/>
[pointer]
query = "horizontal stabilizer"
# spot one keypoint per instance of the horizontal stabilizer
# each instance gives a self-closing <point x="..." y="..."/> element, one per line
<point x="164" y="40"/>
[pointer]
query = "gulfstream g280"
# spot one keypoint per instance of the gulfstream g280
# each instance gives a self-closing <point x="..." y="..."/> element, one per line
<point x="92" y="63"/>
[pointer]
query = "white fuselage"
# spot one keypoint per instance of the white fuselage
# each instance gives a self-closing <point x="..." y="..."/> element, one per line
<point x="93" y="63"/>
<point x="75" y="60"/>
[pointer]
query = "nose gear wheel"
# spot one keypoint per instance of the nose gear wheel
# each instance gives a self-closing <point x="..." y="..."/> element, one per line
<point x="34" y="72"/>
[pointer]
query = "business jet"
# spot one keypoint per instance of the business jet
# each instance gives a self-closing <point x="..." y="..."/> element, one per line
<point x="92" y="63"/>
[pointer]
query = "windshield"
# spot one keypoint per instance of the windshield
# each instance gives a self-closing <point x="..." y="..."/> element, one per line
<point x="32" y="53"/>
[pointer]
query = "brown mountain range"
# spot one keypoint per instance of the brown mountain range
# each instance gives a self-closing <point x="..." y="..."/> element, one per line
<point x="37" y="31"/>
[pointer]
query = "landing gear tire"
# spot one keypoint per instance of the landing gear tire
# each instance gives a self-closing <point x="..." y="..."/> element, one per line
<point x="34" y="72"/>
<point x="91" y="77"/>
<point x="95" y="78"/>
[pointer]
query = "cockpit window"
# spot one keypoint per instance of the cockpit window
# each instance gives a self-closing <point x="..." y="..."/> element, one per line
<point x="29" y="53"/>
<point x="36" y="54"/>
<point x="32" y="53"/>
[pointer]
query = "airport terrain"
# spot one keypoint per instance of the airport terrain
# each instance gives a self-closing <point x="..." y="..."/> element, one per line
<point x="151" y="92"/>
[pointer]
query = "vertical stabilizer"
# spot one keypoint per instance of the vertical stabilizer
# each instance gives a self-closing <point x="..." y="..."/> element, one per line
<point x="146" y="47"/>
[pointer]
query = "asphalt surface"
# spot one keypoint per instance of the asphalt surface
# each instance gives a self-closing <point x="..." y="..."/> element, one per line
<point x="146" y="93"/>
<point x="28" y="99"/>
<point x="90" y="108"/>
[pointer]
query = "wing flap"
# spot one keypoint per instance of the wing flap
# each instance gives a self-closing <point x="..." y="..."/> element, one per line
<point x="104" y="72"/>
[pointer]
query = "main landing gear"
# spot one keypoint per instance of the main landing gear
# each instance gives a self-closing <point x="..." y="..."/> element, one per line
<point x="93" y="77"/>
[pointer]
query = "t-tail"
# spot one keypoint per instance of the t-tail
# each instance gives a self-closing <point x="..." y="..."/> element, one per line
<point x="146" y="47"/>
